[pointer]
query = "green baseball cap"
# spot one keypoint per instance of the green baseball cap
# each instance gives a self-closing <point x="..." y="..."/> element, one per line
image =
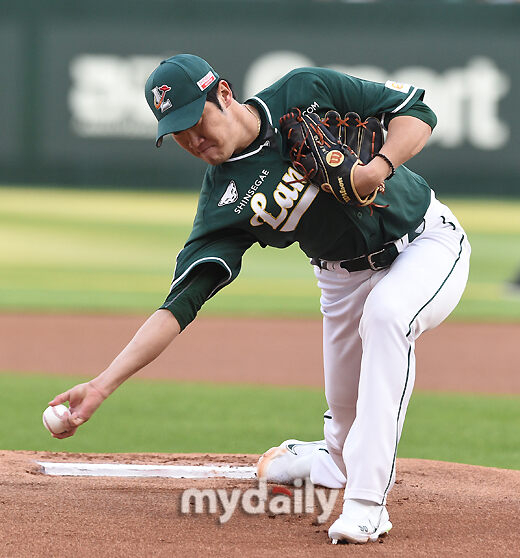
<point x="176" y="92"/>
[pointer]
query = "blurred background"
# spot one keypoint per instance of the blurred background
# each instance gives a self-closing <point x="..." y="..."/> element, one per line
<point x="92" y="215"/>
<point x="73" y="112"/>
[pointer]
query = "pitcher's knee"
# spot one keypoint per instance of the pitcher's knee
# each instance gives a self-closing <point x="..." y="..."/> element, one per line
<point x="381" y="314"/>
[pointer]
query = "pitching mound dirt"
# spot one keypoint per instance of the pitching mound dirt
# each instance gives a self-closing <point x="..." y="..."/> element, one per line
<point x="437" y="509"/>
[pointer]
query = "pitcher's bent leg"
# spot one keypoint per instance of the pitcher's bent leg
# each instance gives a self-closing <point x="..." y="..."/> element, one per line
<point x="422" y="287"/>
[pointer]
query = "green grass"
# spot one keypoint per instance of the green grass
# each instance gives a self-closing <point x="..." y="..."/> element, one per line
<point x="103" y="251"/>
<point x="159" y="416"/>
<point x="163" y="416"/>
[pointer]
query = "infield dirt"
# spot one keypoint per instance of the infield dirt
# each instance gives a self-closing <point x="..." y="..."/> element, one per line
<point x="460" y="357"/>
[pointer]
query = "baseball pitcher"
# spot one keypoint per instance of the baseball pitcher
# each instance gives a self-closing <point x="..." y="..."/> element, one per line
<point x="317" y="158"/>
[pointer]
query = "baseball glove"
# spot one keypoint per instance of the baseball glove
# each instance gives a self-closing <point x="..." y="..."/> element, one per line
<point x="327" y="152"/>
<point x="364" y="137"/>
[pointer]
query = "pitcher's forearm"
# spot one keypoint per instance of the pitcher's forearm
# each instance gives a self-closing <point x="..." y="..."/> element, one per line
<point x="149" y="342"/>
<point x="407" y="135"/>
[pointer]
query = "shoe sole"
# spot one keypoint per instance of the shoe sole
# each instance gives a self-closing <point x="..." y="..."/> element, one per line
<point x="356" y="539"/>
<point x="267" y="457"/>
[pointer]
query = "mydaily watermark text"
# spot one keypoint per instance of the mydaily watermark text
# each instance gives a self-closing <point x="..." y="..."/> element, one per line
<point x="303" y="498"/>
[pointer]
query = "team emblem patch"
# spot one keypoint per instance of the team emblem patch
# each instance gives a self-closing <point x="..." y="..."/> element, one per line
<point x="230" y="195"/>
<point x="335" y="158"/>
<point x="398" y="86"/>
<point x="159" y="94"/>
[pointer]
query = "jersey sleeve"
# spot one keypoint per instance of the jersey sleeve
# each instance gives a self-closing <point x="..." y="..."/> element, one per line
<point x="204" y="266"/>
<point x="323" y="89"/>
<point x="384" y="100"/>
<point x="186" y="297"/>
<point x="418" y="110"/>
<point x="391" y="99"/>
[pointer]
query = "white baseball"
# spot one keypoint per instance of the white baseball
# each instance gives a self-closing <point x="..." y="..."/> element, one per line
<point x="55" y="419"/>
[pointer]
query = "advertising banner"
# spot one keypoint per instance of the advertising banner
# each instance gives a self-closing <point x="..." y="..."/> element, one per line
<point x="72" y="101"/>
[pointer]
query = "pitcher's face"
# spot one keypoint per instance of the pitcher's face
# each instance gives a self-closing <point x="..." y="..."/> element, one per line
<point x="210" y="139"/>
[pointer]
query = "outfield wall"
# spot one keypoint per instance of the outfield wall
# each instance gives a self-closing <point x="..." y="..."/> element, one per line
<point x="73" y="111"/>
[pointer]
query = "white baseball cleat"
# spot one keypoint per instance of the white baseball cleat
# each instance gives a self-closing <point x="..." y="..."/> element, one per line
<point x="360" y="522"/>
<point x="289" y="461"/>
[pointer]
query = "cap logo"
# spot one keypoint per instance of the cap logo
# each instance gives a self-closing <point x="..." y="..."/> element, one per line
<point x="206" y="81"/>
<point x="158" y="95"/>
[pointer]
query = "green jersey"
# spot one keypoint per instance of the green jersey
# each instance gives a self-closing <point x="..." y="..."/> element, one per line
<point x="258" y="197"/>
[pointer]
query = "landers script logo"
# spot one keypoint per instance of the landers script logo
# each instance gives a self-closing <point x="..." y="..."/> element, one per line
<point x="293" y="195"/>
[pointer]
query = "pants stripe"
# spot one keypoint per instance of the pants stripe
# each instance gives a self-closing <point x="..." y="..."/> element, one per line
<point x="408" y="366"/>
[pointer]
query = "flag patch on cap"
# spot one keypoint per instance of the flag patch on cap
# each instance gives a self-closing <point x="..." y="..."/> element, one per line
<point x="206" y="81"/>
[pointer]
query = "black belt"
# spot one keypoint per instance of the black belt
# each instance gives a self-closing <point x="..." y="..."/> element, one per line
<point x="381" y="259"/>
<point x="377" y="260"/>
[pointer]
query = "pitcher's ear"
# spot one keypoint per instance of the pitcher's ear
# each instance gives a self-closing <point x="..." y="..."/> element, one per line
<point x="225" y="93"/>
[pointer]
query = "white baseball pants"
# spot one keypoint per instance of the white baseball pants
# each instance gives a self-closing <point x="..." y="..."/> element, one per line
<point x="371" y="320"/>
